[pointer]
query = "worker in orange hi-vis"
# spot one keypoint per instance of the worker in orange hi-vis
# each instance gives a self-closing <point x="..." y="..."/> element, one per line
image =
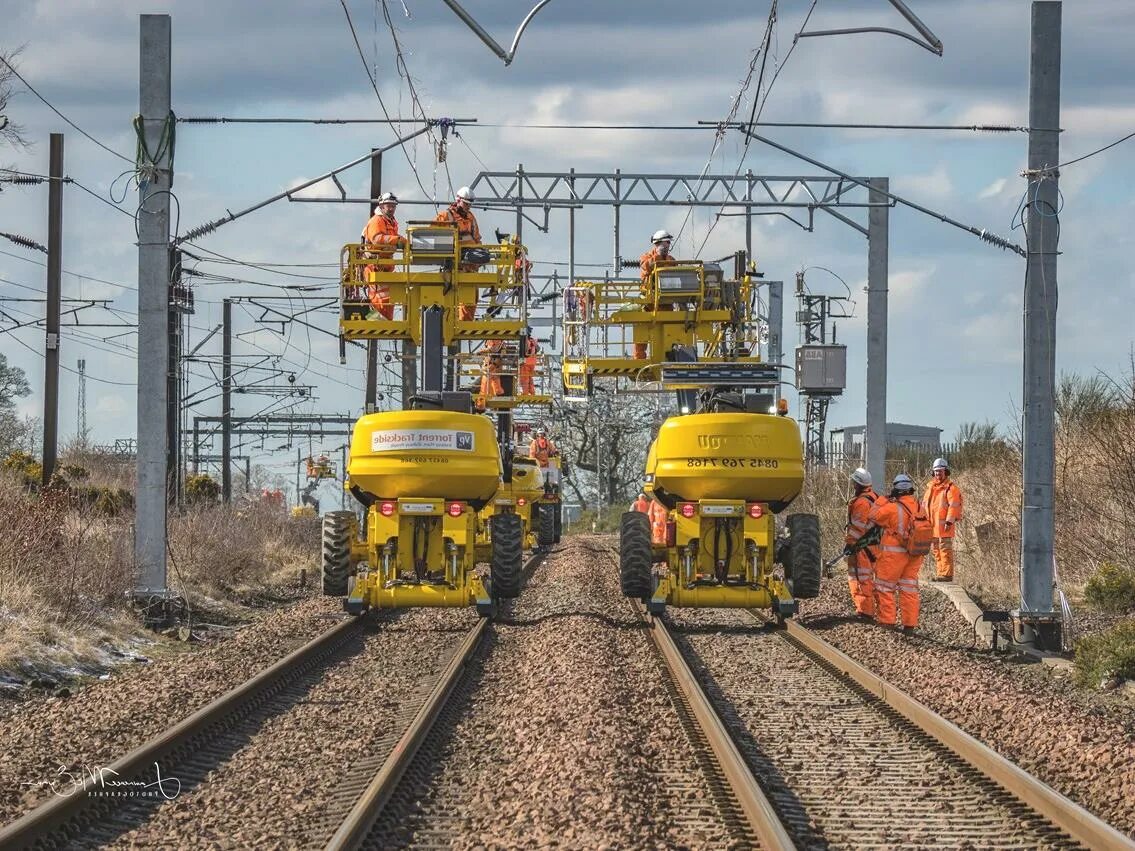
<point x="659" y="255"/>
<point x="543" y="450"/>
<point x="528" y="367"/>
<point x="641" y="504"/>
<point x="861" y="562"/>
<point x="491" y="384"/>
<point x="659" y="517"/>
<point x="943" y="502"/>
<point x="905" y="541"/>
<point x="382" y="238"/>
<point x="460" y="215"/>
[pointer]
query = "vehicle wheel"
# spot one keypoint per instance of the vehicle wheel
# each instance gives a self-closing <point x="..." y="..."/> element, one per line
<point x="508" y="543"/>
<point x="636" y="556"/>
<point x="546" y="530"/>
<point x="557" y="522"/>
<point x="804" y="560"/>
<point x="338" y="529"/>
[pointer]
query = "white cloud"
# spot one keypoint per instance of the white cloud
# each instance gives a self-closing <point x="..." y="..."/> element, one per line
<point x="934" y="184"/>
<point x="994" y="189"/>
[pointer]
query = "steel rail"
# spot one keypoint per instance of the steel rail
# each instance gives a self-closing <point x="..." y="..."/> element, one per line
<point x="54" y="814"/>
<point x="758" y="809"/>
<point x="1081" y="825"/>
<point x="367" y="810"/>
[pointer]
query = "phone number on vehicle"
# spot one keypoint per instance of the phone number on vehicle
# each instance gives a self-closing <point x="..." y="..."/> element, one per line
<point x="726" y="463"/>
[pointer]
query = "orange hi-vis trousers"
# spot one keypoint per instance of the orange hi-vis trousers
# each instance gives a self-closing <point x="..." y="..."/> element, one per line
<point x="861" y="582"/>
<point x="897" y="570"/>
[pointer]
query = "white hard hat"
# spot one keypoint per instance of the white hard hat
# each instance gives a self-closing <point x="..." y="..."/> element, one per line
<point x="466" y="193"/>
<point x="861" y="477"/>
<point x="662" y="236"/>
<point x="903" y="482"/>
<point x="388" y="198"/>
<point x="940" y="464"/>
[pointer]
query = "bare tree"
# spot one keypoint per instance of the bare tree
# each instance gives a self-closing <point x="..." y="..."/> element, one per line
<point x="605" y="444"/>
<point x="11" y="131"/>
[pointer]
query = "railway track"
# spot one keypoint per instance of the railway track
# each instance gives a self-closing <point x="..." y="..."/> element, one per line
<point x="844" y="759"/>
<point x="106" y="808"/>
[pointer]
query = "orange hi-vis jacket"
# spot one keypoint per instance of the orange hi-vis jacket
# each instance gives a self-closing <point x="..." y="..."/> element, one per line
<point x="943" y="504"/>
<point x="858" y="511"/>
<point x="468" y="232"/>
<point x="542" y="449"/>
<point x="647" y="264"/>
<point x="381" y="231"/>
<point x="895" y="522"/>
<point x="659" y="517"/>
<point x="641" y="505"/>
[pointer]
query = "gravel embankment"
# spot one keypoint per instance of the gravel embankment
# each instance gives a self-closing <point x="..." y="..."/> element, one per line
<point x="563" y="733"/>
<point x="103" y="721"/>
<point x="1079" y="743"/>
<point x="276" y="780"/>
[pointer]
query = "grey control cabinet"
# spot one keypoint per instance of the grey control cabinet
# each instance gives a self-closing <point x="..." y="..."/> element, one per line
<point x="821" y="368"/>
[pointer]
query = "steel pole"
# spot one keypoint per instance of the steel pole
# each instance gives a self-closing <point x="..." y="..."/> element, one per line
<point x="371" y="399"/>
<point x="173" y="386"/>
<point x="617" y="262"/>
<point x="226" y="401"/>
<point x="878" y="252"/>
<point x="1038" y="458"/>
<point x="156" y="132"/>
<point x="776" y="325"/>
<point x="54" y="296"/>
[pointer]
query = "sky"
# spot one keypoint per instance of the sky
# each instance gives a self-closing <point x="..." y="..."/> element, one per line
<point x="955" y="302"/>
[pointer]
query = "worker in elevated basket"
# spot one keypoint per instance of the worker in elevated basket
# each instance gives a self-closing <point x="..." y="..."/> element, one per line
<point x="381" y="238"/>
<point x="861" y="563"/>
<point x="491" y="367"/>
<point x="905" y="528"/>
<point x="943" y="502"/>
<point x="528" y="366"/>
<point x="659" y="255"/>
<point x="460" y="215"/>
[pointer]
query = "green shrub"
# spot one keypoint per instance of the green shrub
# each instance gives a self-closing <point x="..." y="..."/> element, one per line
<point x="1112" y="588"/>
<point x="1107" y="656"/>
<point x="201" y="489"/>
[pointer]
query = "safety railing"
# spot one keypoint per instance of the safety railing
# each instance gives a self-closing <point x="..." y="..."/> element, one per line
<point x="499" y="377"/>
<point x="376" y="281"/>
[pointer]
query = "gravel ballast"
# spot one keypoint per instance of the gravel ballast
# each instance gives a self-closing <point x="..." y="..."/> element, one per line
<point x="103" y="721"/>
<point x="1083" y="745"/>
<point x="564" y="732"/>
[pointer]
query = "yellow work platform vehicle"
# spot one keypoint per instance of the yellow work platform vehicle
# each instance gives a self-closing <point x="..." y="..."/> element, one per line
<point x="429" y="476"/>
<point x="726" y="463"/>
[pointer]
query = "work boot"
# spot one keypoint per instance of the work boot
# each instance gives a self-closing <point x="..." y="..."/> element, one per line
<point x="942" y="579"/>
<point x="908" y="630"/>
<point x="863" y="616"/>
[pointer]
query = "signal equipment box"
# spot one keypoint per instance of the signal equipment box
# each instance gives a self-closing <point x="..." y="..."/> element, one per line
<point x="821" y="368"/>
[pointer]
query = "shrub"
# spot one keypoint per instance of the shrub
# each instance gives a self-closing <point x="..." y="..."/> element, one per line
<point x="201" y="489"/>
<point x="1111" y="588"/>
<point x="1107" y="656"/>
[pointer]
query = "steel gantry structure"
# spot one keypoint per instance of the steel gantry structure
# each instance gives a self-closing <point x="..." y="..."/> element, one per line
<point x="794" y="197"/>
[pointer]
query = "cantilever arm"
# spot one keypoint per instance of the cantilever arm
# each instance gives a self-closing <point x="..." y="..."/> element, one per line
<point x="488" y="39"/>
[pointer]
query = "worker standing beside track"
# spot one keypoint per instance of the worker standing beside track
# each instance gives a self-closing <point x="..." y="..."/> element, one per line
<point x="460" y="215"/>
<point x="861" y="562"/>
<point x="897" y="569"/>
<point x="943" y="501"/>
<point x="659" y="517"/>
<point x="641" y="503"/>
<point x="659" y="255"/>
<point x="381" y="237"/>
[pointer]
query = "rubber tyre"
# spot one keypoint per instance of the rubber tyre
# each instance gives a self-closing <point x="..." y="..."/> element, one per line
<point x="805" y="561"/>
<point x="546" y="528"/>
<point x="636" y="557"/>
<point x="338" y="528"/>
<point x="508" y="544"/>
<point x="557" y="522"/>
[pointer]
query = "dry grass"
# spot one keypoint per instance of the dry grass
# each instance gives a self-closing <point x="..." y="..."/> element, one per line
<point x="66" y="570"/>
